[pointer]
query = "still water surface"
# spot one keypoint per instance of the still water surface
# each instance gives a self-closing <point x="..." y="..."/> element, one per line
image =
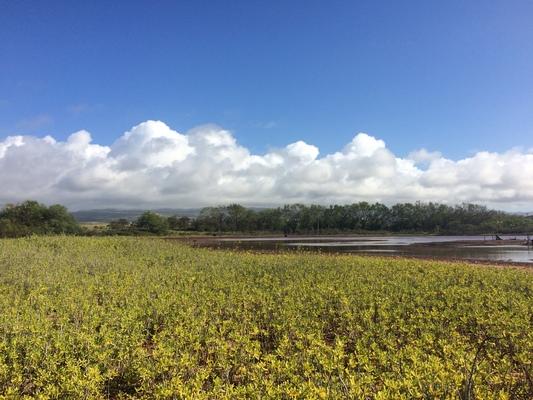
<point x="455" y="247"/>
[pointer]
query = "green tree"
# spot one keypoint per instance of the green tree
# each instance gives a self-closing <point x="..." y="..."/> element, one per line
<point x="152" y="222"/>
<point x="179" y="223"/>
<point x="236" y="217"/>
<point x="31" y="217"/>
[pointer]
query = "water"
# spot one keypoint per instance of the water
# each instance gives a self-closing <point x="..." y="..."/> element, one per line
<point x="481" y="248"/>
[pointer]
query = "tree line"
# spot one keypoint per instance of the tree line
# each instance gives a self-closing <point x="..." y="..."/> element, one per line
<point x="31" y="217"/>
<point x="362" y="217"/>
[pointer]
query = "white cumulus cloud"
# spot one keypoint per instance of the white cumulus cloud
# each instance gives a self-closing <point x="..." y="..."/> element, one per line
<point x="153" y="165"/>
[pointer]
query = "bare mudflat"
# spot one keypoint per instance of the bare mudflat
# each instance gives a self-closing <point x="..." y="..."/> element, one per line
<point x="511" y="249"/>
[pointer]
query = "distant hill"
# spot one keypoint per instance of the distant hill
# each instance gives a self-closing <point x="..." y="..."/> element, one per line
<point x="524" y="213"/>
<point x="108" y="214"/>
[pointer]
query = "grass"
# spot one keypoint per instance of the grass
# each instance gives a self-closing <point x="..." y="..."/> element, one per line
<point x="146" y="318"/>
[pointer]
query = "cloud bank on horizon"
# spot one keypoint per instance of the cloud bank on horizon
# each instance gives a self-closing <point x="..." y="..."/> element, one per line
<point x="153" y="165"/>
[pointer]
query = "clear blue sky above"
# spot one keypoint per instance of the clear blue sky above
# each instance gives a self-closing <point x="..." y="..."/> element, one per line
<point x="452" y="76"/>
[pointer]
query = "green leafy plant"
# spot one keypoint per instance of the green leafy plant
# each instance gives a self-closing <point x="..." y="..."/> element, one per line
<point x="122" y="317"/>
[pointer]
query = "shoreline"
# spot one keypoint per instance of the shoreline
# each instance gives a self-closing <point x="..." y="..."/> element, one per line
<point x="223" y="243"/>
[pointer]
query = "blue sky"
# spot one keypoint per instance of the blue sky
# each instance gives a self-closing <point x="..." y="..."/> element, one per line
<point x="451" y="76"/>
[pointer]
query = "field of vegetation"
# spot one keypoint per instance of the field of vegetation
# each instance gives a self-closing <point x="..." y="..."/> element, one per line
<point x="122" y="317"/>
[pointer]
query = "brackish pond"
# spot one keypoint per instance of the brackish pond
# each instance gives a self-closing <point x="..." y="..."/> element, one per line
<point x="483" y="248"/>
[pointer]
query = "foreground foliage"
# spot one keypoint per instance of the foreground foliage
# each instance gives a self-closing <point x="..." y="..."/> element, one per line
<point x="128" y="318"/>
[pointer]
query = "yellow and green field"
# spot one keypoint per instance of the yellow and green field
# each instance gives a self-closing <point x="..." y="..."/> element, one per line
<point x="89" y="318"/>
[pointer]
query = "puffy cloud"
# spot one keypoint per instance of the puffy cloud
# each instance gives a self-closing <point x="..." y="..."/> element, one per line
<point x="151" y="144"/>
<point x="10" y="141"/>
<point x="302" y="152"/>
<point x="423" y="156"/>
<point x="153" y="165"/>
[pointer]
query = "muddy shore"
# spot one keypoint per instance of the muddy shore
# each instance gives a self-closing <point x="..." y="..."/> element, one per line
<point x="407" y="252"/>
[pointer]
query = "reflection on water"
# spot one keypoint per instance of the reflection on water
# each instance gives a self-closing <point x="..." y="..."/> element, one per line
<point x="456" y="247"/>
